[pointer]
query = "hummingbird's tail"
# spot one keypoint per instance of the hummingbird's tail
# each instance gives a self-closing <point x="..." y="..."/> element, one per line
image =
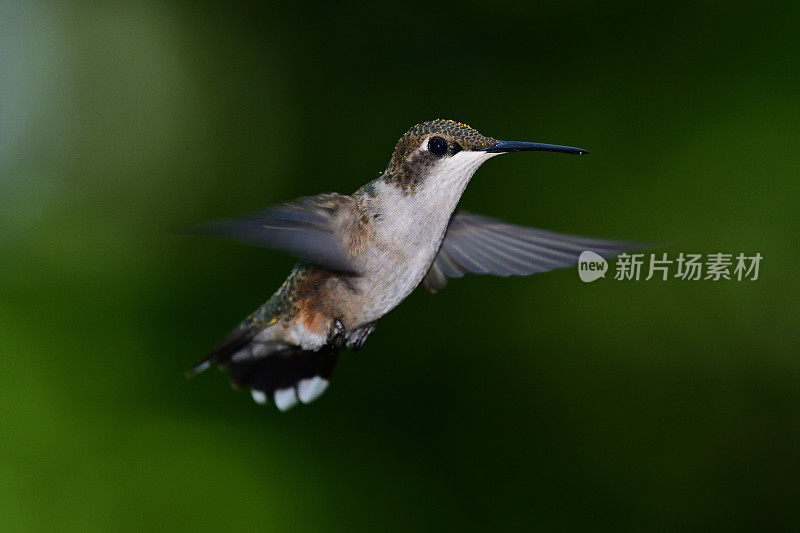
<point x="272" y="370"/>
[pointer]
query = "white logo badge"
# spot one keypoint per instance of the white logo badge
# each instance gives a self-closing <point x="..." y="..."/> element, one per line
<point x="591" y="266"/>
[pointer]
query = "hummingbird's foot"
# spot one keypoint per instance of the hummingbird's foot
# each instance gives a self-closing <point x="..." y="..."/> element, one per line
<point x="360" y="336"/>
<point x="337" y="336"/>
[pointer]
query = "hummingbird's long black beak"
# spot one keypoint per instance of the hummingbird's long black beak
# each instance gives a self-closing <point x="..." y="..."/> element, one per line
<point x="518" y="146"/>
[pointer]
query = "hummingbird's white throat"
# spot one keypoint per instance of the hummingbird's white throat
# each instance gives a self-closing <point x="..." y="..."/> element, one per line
<point x="450" y="175"/>
<point x="421" y="217"/>
<point x="412" y="225"/>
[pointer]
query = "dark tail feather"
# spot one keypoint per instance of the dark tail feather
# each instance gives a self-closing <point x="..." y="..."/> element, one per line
<point x="285" y="375"/>
<point x="223" y="352"/>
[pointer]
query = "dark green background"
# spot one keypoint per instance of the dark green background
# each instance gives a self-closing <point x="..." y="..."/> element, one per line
<point x="537" y="402"/>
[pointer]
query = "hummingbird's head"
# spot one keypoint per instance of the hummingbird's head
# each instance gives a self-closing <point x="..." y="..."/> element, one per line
<point x="447" y="153"/>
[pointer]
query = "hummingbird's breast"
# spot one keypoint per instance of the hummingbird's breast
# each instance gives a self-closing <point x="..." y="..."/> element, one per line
<point x="392" y="276"/>
<point x="406" y="232"/>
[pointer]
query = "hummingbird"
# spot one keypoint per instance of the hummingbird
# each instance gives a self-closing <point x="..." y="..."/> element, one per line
<point x="362" y="254"/>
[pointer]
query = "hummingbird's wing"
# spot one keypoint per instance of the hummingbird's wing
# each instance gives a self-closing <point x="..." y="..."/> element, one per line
<point x="476" y="244"/>
<point x="316" y="228"/>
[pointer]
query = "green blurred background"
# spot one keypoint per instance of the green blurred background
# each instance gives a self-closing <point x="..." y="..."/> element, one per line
<point x="538" y="402"/>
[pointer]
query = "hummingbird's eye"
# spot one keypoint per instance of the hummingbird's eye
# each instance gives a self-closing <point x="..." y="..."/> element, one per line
<point x="437" y="146"/>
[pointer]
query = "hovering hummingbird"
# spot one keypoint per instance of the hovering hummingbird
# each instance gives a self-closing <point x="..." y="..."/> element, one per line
<point x="363" y="254"/>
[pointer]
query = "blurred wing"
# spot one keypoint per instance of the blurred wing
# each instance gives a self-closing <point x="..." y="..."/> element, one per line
<point x="476" y="244"/>
<point x="314" y="228"/>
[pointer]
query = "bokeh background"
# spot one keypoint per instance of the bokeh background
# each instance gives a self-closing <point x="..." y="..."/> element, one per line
<point x="538" y="402"/>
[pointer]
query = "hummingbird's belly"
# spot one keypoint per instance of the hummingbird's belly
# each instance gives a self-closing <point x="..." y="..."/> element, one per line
<point x="383" y="297"/>
<point x="399" y="249"/>
<point x="387" y="285"/>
